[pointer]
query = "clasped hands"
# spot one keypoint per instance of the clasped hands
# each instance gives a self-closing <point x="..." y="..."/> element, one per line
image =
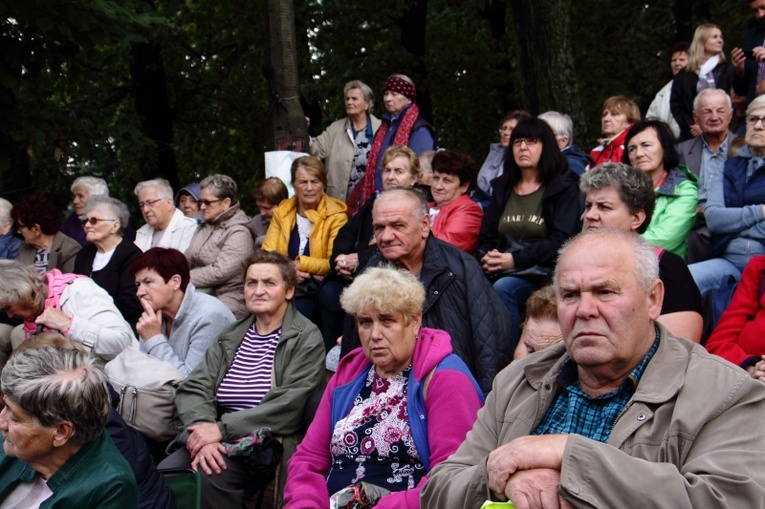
<point x="205" y="448"/>
<point x="527" y="471"/>
<point x="495" y="261"/>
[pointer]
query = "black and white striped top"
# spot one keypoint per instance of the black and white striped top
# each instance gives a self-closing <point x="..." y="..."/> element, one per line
<point x="249" y="377"/>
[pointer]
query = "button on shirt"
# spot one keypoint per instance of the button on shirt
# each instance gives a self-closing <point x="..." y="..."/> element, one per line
<point x="573" y="411"/>
<point x="712" y="163"/>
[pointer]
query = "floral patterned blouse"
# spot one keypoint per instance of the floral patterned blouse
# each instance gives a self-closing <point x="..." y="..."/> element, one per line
<point x="373" y="443"/>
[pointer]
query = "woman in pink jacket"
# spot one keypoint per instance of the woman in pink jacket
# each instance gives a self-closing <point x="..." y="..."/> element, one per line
<point x="456" y="218"/>
<point x="394" y="409"/>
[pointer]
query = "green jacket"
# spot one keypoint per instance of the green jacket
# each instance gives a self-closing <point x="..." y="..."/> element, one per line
<point x="675" y="212"/>
<point x="298" y="370"/>
<point x="96" y="477"/>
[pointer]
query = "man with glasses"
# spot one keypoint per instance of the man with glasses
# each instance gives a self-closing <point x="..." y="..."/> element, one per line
<point x="735" y="208"/>
<point x="166" y="226"/>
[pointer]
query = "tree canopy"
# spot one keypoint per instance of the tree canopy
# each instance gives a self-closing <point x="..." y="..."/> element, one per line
<point x="133" y="89"/>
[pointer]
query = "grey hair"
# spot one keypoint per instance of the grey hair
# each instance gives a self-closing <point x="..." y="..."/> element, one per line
<point x="711" y="91"/>
<point x="163" y="187"/>
<point x="386" y="289"/>
<point x="757" y="103"/>
<point x="117" y="210"/>
<point x="646" y="263"/>
<point x="56" y="384"/>
<point x="415" y="196"/>
<point x="20" y="285"/>
<point x="5" y="212"/>
<point x="94" y="185"/>
<point x="222" y="186"/>
<point x="366" y="92"/>
<point x="561" y="124"/>
<point x="634" y="186"/>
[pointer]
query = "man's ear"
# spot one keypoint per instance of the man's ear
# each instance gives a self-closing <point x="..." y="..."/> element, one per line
<point x="655" y="299"/>
<point x="425" y="225"/>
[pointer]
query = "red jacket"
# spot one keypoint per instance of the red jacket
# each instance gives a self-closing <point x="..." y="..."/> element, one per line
<point x="612" y="151"/>
<point x="740" y="334"/>
<point x="459" y="223"/>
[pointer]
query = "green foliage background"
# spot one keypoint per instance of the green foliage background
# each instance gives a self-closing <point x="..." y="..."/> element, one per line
<point x="67" y="99"/>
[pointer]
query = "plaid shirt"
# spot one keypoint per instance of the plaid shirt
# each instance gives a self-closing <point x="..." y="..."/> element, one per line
<point x="573" y="411"/>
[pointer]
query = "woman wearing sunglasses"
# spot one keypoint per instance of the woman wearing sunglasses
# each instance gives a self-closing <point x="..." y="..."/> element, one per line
<point x="534" y="208"/>
<point x="108" y="255"/>
<point x="222" y="244"/>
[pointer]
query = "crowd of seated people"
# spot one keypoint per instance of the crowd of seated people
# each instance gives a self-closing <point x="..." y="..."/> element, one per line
<point x="593" y="272"/>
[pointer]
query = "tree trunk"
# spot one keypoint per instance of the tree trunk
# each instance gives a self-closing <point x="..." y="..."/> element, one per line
<point x="546" y="57"/>
<point x="14" y="166"/>
<point x="413" y="30"/>
<point x="153" y="108"/>
<point x="285" y="122"/>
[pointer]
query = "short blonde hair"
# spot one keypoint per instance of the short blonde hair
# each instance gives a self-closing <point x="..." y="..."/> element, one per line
<point x="21" y="286"/>
<point x="388" y="290"/>
<point x="310" y="165"/>
<point x="407" y="153"/>
<point x="621" y="104"/>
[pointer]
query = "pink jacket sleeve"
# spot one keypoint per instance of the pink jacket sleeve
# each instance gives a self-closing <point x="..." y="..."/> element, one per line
<point x="725" y="340"/>
<point x="459" y="223"/>
<point x="452" y="406"/>
<point x="306" y="486"/>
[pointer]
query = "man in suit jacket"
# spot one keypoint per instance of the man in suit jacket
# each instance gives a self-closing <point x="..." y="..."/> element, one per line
<point x="705" y="155"/>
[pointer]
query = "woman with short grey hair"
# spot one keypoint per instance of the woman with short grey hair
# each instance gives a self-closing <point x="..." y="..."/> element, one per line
<point x="222" y="244"/>
<point x="345" y="144"/>
<point x="55" y="450"/>
<point x="108" y="256"/>
<point x="9" y="244"/>
<point x="83" y="188"/>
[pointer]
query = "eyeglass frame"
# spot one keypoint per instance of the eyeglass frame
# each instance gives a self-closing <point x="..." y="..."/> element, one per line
<point x="752" y="120"/>
<point x="207" y="203"/>
<point x="149" y="203"/>
<point x="95" y="220"/>
<point x="530" y="141"/>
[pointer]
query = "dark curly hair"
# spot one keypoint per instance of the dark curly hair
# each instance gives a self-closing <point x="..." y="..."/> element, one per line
<point x="455" y="163"/>
<point x="37" y="210"/>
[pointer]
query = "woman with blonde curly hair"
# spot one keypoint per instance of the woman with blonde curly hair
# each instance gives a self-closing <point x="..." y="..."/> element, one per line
<point x="396" y="407"/>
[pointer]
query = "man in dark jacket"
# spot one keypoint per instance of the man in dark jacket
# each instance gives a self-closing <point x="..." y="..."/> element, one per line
<point x="459" y="299"/>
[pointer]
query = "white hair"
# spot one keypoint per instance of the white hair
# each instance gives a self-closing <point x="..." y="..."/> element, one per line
<point x="164" y="190"/>
<point x="711" y="91"/>
<point x="94" y="185"/>
<point x="561" y="124"/>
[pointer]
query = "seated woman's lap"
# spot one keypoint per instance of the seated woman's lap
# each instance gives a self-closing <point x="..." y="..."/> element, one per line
<point x="227" y="489"/>
<point x="514" y="291"/>
<point x="709" y="274"/>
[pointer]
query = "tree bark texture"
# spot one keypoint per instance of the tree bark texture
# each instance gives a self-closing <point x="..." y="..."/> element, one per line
<point x="285" y="123"/>
<point x="546" y="57"/>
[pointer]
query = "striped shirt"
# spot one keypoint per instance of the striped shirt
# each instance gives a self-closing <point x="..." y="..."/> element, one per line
<point x="249" y="377"/>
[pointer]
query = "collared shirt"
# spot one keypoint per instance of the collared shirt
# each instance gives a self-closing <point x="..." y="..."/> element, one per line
<point x="573" y="411"/>
<point x="712" y="163"/>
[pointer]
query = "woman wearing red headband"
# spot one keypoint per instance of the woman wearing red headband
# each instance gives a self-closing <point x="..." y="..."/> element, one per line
<point x="401" y="125"/>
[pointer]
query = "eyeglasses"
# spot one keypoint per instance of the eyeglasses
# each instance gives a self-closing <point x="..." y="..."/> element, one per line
<point x="21" y="226"/>
<point x="530" y="142"/>
<point x="207" y="203"/>
<point x="148" y="203"/>
<point x="93" y="220"/>
<point x="505" y="128"/>
<point x="753" y="119"/>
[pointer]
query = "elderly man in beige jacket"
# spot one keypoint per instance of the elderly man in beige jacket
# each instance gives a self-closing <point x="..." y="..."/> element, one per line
<point x="622" y="414"/>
